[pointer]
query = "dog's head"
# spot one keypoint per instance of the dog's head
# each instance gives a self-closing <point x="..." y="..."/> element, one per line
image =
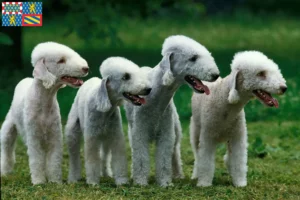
<point x="122" y="79"/>
<point x="58" y="64"/>
<point x="253" y="73"/>
<point x="187" y="61"/>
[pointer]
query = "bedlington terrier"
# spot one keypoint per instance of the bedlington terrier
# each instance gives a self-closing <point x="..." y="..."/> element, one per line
<point x="96" y="114"/>
<point x="34" y="112"/>
<point x="220" y="116"/>
<point x="184" y="61"/>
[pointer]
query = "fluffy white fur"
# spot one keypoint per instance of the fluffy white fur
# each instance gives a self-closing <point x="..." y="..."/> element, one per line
<point x="219" y="117"/>
<point x="157" y="121"/>
<point x="35" y="115"/>
<point x="96" y="114"/>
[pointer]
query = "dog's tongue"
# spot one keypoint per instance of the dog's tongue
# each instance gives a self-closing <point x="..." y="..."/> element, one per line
<point x="269" y="100"/>
<point x="200" y="86"/>
<point x="139" y="99"/>
<point x="142" y="100"/>
<point x="275" y="102"/>
<point x="72" y="80"/>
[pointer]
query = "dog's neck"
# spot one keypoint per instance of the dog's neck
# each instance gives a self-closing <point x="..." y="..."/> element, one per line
<point x="114" y="98"/>
<point x="42" y="96"/>
<point x="244" y="96"/>
<point x="160" y="91"/>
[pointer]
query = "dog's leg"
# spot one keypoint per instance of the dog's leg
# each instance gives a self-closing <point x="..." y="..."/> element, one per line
<point x="105" y="159"/>
<point x="206" y="161"/>
<point x="165" y="143"/>
<point x="37" y="155"/>
<point x="54" y="154"/>
<point x="119" y="159"/>
<point x="140" y="152"/>
<point x="236" y="157"/>
<point x="176" y="160"/>
<point x="92" y="158"/>
<point x="73" y="138"/>
<point x="194" y="140"/>
<point x="8" y="140"/>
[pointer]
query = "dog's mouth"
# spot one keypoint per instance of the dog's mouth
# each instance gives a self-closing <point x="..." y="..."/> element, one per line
<point x="134" y="99"/>
<point x="266" y="98"/>
<point x="72" y="81"/>
<point x="197" y="85"/>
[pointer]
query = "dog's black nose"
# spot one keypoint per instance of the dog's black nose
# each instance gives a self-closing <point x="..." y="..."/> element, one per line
<point x="148" y="90"/>
<point x="215" y="77"/>
<point x="85" y="69"/>
<point x="283" y="89"/>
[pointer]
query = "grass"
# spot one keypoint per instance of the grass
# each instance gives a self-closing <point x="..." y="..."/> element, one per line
<point x="273" y="173"/>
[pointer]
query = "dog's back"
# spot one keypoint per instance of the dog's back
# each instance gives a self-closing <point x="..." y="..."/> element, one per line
<point x="18" y="103"/>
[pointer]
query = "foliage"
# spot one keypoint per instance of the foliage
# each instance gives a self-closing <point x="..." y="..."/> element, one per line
<point x="104" y="17"/>
<point x="142" y="40"/>
<point x="273" y="6"/>
<point x="5" y="39"/>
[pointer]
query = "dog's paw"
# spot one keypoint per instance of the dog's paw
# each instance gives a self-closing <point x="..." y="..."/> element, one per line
<point x="179" y="176"/>
<point x="194" y="177"/>
<point x="240" y="183"/>
<point x="55" y="181"/>
<point x="92" y="182"/>
<point x="166" y="184"/>
<point x="5" y="173"/>
<point x="140" y="182"/>
<point x="38" y="181"/>
<point x="121" y="181"/>
<point x="204" y="184"/>
<point x="73" y="178"/>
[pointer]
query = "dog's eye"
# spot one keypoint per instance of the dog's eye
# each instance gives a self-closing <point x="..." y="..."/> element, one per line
<point x="193" y="58"/>
<point x="61" y="61"/>
<point x="262" y="74"/>
<point x="126" y="77"/>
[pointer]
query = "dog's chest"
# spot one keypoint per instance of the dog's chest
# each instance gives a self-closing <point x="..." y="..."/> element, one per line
<point x="220" y="129"/>
<point x="43" y="116"/>
<point x="155" y="120"/>
<point x="99" y="123"/>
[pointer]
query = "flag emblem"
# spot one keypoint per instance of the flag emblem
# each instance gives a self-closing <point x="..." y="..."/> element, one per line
<point x="22" y="14"/>
<point x="11" y="20"/>
<point x="32" y="7"/>
<point x="32" y="20"/>
<point x="11" y="8"/>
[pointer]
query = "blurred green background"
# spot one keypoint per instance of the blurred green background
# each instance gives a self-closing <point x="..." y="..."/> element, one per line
<point x="137" y="29"/>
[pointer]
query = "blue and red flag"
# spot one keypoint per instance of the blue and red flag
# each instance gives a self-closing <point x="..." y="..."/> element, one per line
<point x="22" y="14"/>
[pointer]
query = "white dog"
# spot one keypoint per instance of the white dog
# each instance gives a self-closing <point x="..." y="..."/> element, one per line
<point x="96" y="114"/>
<point x="219" y="117"/>
<point x="34" y="112"/>
<point x="184" y="61"/>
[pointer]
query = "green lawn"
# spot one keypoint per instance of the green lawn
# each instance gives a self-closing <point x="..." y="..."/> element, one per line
<point x="274" y="173"/>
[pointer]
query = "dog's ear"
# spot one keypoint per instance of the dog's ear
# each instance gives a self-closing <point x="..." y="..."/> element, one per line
<point x="168" y="77"/>
<point x="41" y="72"/>
<point x="103" y="99"/>
<point x="233" y="97"/>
